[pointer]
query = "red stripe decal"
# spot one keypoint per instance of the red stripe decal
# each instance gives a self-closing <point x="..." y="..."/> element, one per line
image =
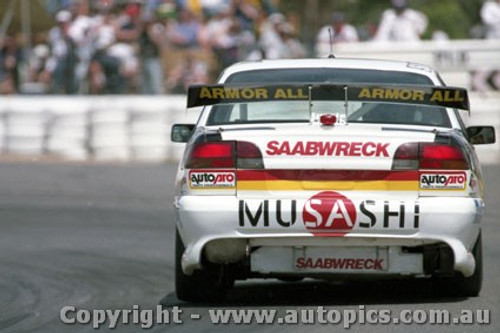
<point x="333" y="175"/>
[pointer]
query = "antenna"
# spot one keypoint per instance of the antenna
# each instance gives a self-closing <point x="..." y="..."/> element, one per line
<point x="331" y="55"/>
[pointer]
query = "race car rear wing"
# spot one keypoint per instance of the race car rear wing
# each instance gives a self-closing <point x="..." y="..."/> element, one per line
<point x="452" y="97"/>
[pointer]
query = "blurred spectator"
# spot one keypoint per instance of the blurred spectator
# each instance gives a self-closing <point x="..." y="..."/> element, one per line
<point x="81" y="32"/>
<point x="63" y="62"/>
<point x="367" y="31"/>
<point x="247" y="12"/>
<point x="294" y="47"/>
<point x="230" y="43"/>
<point x="401" y="23"/>
<point x="149" y="10"/>
<point x="147" y="46"/>
<point x="485" y="79"/>
<point x="218" y="24"/>
<point x="186" y="32"/>
<point x="490" y="14"/>
<point x="270" y="42"/>
<point x="341" y="32"/>
<point x="440" y="36"/>
<point x="187" y="72"/>
<point x="104" y="71"/>
<point x="188" y="56"/>
<point x="128" y="30"/>
<point x="38" y="75"/>
<point x="150" y="43"/>
<point x="10" y="58"/>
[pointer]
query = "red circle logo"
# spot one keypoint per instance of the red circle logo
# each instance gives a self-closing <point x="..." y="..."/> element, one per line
<point x="329" y="211"/>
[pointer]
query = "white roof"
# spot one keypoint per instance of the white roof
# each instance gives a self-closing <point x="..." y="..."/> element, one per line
<point x="374" y="64"/>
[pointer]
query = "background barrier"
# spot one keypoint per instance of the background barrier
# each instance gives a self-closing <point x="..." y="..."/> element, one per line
<point x="137" y="128"/>
<point x="93" y="128"/>
<point x="460" y="62"/>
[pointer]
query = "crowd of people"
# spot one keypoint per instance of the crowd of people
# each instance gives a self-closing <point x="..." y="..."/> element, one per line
<point x="163" y="46"/>
<point x="148" y="46"/>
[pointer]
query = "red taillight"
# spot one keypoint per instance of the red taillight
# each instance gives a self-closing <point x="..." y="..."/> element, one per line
<point x="248" y="156"/>
<point x="225" y="154"/>
<point x="441" y="156"/>
<point x="212" y="155"/>
<point x="406" y="157"/>
<point x="429" y="155"/>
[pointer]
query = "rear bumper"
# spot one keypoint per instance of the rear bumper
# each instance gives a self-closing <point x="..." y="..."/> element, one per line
<point x="454" y="221"/>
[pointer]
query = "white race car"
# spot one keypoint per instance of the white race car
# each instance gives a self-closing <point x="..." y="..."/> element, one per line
<point x="329" y="169"/>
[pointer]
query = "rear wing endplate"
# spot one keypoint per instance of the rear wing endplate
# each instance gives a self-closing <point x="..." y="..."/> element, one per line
<point x="450" y="97"/>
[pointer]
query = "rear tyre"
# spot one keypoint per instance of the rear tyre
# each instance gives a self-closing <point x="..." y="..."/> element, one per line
<point x="461" y="286"/>
<point x="203" y="286"/>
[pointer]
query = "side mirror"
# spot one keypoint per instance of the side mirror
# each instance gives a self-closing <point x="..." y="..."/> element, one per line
<point x="181" y="132"/>
<point x="481" y="135"/>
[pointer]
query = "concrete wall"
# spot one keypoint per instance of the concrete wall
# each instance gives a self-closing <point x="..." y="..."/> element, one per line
<point x="92" y="128"/>
<point x="135" y="128"/>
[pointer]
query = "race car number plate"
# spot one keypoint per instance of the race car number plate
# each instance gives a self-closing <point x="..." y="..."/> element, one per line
<point x="304" y="259"/>
<point x="354" y="259"/>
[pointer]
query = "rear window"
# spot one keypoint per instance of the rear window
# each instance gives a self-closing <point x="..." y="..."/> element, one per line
<point x="299" y="111"/>
<point x="328" y="75"/>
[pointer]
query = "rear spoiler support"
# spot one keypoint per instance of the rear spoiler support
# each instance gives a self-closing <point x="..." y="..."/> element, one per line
<point x="346" y="102"/>
<point x="309" y="89"/>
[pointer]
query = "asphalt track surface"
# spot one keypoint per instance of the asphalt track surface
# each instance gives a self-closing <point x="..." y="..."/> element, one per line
<point x="101" y="237"/>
